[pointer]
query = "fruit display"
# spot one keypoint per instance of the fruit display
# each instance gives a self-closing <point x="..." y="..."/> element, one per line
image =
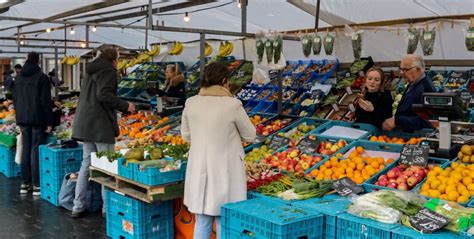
<point x="454" y="183"/>
<point x="259" y="174"/>
<point x="258" y="119"/>
<point x="272" y="126"/>
<point x="358" y="65"/>
<point x="330" y="147"/>
<point x="326" y="68"/>
<point x="289" y="68"/>
<point x="258" y="153"/>
<point x="262" y="95"/>
<point x="298" y="132"/>
<point x="394" y="140"/>
<point x="225" y="49"/>
<point x="247" y="94"/>
<point x="358" y="82"/>
<point x="172" y="139"/>
<point x="300" y="68"/>
<point x="357" y="167"/>
<point x="466" y="154"/>
<point x="243" y="75"/>
<point x="404" y="177"/>
<point x="345" y="82"/>
<point x="292" y="161"/>
<point x="176" y="49"/>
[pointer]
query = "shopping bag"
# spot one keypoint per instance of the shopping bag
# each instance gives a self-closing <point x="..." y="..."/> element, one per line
<point x="19" y="149"/>
<point x="67" y="193"/>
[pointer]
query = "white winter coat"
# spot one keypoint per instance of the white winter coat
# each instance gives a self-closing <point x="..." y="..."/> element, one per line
<point x="215" y="126"/>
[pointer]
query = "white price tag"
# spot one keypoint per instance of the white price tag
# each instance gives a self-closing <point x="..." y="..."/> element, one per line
<point x="355" y="37"/>
<point x="427" y="36"/>
<point x="335" y="107"/>
<point x="317" y="39"/>
<point x="447" y="207"/>
<point x="349" y="90"/>
<point x="328" y="39"/>
<point x="305" y="41"/>
<point x="411" y="36"/>
<point x="470" y="35"/>
<point x="352" y="108"/>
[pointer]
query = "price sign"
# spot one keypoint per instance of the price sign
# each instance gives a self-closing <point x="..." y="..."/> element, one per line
<point x="427" y="221"/>
<point x="317" y="39"/>
<point x="349" y="90"/>
<point x="459" y="77"/>
<point x="427" y="36"/>
<point x="307" y="146"/>
<point x="345" y="187"/>
<point x="415" y="155"/>
<point x="411" y="36"/>
<point x="130" y="121"/>
<point x="278" y="142"/>
<point x="335" y="107"/>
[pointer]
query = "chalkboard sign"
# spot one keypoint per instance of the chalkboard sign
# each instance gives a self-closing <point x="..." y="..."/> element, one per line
<point x="307" y="146"/>
<point x="345" y="187"/>
<point x="415" y="155"/>
<point x="278" y="142"/>
<point x="427" y="221"/>
<point x="458" y="77"/>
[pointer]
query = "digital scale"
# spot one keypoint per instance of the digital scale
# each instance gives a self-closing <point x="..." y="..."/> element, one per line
<point x="446" y="111"/>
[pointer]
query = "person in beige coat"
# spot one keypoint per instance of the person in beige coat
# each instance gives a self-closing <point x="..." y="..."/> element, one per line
<point x="215" y="124"/>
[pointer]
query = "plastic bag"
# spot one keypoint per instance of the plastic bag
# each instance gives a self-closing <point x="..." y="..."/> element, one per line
<point x="317" y="44"/>
<point x="260" y="76"/>
<point x="413" y="37"/>
<point x="277" y="49"/>
<point x="306" y="43"/>
<point x="66" y="196"/>
<point x="459" y="216"/>
<point x="19" y="149"/>
<point x="470" y="39"/>
<point x="329" y="44"/>
<point x="369" y="207"/>
<point x="260" y="45"/>
<point x="357" y="45"/>
<point x="269" y="50"/>
<point x="427" y="41"/>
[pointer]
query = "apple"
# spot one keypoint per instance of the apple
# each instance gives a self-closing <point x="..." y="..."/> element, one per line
<point x="275" y="164"/>
<point x="383" y="183"/>
<point x="383" y="177"/>
<point x="408" y="173"/>
<point x="392" y="174"/>
<point x="305" y="165"/>
<point x="401" y="179"/>
<point x="392" y="185"/>
<point x="412" y="181"/>
<point x="334" y="148"/>
<point x="403" y="166"/>
<point x="265" y="133"/>
<point x="328" y="145"/>
<point x="403" y="187"/>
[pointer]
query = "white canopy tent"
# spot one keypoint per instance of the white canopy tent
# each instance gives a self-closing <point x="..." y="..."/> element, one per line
<point x="386" y="43"/>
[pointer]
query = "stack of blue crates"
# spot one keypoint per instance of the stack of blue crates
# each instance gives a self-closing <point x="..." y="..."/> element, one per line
<point x="54" y="164"/>
<point x="133" y="219"/>
<point x="8" y="167"/>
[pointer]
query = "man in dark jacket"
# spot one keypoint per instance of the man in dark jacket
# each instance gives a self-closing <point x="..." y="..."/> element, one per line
<point x="96" y="120"/>
<point x="33" y="104"/>
<point x="412" y="69"/>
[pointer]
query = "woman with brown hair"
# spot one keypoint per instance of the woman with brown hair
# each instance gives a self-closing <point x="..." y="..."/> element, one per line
<point x="215" y="124"/>
<point x="375" y="104"/>
<point x="175" y="83"/>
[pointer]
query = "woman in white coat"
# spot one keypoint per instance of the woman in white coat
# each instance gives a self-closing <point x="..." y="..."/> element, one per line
<point x="215" y="124"/>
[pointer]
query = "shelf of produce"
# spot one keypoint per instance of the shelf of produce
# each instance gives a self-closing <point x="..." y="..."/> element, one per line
<point x="396" y="135"/>
<point x="137" y="190"/>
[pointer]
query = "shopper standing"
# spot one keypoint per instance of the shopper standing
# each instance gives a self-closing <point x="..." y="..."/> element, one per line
<point x="17" y="69"/>
<point x="8" y="80"/>
<point x="96" y="118"/>
<point x="215" y="123"/>
<point x="412" y="69"/>
<point x="33" y="105"/>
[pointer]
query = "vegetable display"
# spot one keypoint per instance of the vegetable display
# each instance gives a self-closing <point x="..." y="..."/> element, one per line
<point x="110" y="155"/>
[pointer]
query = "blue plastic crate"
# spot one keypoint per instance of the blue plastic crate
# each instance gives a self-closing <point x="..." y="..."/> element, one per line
<point x="125" y="169"/>
<point x="56" y="163"/>
<point x="406" y="233"/>
<point x="136" y="210"/>
<point x="8" y="166"/>
<point x="264" y="218"/>
<point x="370" y="186"/>
<point x="50" y="196"/>
<point x="119" y="226"/>
<point x="369" y="129"/>
<point x="152" y="176"/>
<point x="272" y="109"/>
<point x="250" y="105"/>
<point x="405" y="135"/>
<point x="330" y="207"/>
<point x="352" y="227"/>
<point x="51" y="183"/>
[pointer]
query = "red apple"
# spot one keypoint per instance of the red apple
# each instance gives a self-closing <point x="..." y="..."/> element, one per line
<point x="383" y="183"/>
<point x="383" y="177"/>
<point x="402" y="166"/>
<point x="401" y="179"/>
<point x="392" y="185"/>
<point x="412" y="181"/>
<point x="393" y="174"/>
<point x="392" y="180"/>
<point x="403" y="187"/>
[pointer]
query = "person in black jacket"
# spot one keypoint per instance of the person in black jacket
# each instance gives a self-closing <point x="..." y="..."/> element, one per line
<point x="33" y="104"/>
<point x="96" y="118"/>
<point x="412" y="69"/>
<point x="375" y="104"/>
<point x="175" y="84"/>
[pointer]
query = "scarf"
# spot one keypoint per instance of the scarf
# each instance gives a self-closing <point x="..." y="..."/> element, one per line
<point x="215" y="90"/>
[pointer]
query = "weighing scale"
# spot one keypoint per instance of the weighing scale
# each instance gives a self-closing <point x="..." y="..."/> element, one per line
<point x="445" y="109"/>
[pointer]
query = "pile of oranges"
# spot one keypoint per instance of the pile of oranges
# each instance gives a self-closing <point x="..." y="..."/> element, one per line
<point x="357" y="167"/>
<point x="257" y="119"/>
<point x="454" y="183"/>
<point x="4" y="114"/>
<point x="394" y="140"/>
<point x="172" y="139"/>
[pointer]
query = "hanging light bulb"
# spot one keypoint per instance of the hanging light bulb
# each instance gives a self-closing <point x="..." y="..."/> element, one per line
<point x="48" y="30"/>
<point x="186" y="17"/>
<point x="22" y="42"/>
<point x="72" y="31"/>
<point x="239" y="5"/>
<point x="94" y="29"/>
<point x="83" y="45"/>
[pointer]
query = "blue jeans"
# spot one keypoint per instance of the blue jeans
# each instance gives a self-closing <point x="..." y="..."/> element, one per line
<point x="204" y="224"/>
<point x="83" y="178"/>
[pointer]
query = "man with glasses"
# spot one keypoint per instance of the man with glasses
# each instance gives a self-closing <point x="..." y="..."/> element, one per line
<point x="412" y="69"/>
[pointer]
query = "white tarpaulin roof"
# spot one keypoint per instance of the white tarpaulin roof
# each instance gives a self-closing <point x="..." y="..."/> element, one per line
<point x="262" y="15"/>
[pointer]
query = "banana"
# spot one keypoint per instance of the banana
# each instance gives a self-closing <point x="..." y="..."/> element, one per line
<point x="176" y="49"/>
<point x="208" y="50"/>
<point x="230" y="48"/>
<point x="155" y="51"/>
<point x="64" y="60"/>
<point x="180" y="48"/>
<point x="220" y="53"/>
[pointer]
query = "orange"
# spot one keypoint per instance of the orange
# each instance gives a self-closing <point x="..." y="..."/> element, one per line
<point x="462" y="199"/>
<point x="314" y="172"/>
<point x="453" y="196"/>
<point x="424" y="193"/>
<point x="466" y="181"/>
<point x="380" y="160"/>
<point x="465" y="193"/>
<point x="360" y="149"/>
<point x="390" y="160"/>
<point x="373" y="138"/>
<point x="360" y="166"/>
<point x="328" y="164"/>
<point x="470" y="187"/>
<point x="334" y="159"/>
<point x="435" y="183"/>
<point x="425" y="187"/>
<point x="443" y="196"/>
<point x="320" y="177"/>
<point x="351" y="165"/>
<point x="442" y="188"/>
<point x="381" y="167"/>
<point x="434" y="193"/>
<point x="334" y="163"/>
<point x="375" y="164"/>
<point x="358" y="179"/>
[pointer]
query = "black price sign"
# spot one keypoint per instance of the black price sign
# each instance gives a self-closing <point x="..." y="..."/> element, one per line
<point x="278" y="142"/>
<point x="427" y="221"/>
<point x="415" y="155"/>
<point x="345" y="187"/>
<point x="307" y="146"/>
<point x="458" y="77"/>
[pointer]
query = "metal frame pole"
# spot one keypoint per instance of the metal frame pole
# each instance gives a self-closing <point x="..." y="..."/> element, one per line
<point x="280" y="91"/>
<point x="18" y="38"/>
<point x="316" y="21"/>
<point x="87" y="36"/>
<point x="243" y="6"/>
<point x="202" y="48"/>
<point x="65" y="39"/>
<point x="56" y="66"/>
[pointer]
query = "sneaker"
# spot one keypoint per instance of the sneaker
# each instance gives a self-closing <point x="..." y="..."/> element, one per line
<point x="24" y="188"/>
<point x="36" y="191"/>
<point x="78" y="214"/>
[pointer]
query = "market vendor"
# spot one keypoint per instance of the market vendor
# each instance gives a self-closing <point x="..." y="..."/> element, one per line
<point x="375" y="104"/>
<point x="412" y="69"/>
<point x="175" y="84"/>
<point x="215" y="123"/>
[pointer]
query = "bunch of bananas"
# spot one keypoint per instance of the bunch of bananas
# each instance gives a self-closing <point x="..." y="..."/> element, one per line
<point x="121" y="64"/>
<point x="225" y="49"/>
<point x="70" y="60"/>
<point x="208" y="50"/>
<point x="154" y="52"/>
<point x="177" y="49"/>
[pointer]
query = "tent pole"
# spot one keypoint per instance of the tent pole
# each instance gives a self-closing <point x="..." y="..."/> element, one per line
<point x="243" y="4"/>
<point x="202" y="48"/>
<point x="280" y="91"/>
<point x="65" y="39"/>
<point x="18" y="38"/>
<point x="316" y="21"/>
<point x="87" y="36"/>
<point x="56" y="65"/>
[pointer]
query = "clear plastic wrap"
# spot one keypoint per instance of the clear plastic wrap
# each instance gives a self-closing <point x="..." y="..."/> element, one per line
<point x="427" y="41"/>
<point x="328" y="44"/>
<point x="306" y="43"/>
<point x="413" y="38"/>
<point x="317" y="44"/>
